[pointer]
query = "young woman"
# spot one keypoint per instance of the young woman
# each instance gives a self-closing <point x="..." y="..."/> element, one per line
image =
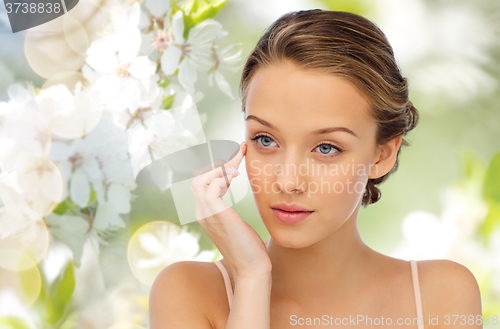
<point x="326" y="109"/>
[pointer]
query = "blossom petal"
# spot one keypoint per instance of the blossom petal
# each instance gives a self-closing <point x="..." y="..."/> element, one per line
<point x="119" y="198"/>
<point x="158" y="8"/>
<point x="134" y="13"/>
<point x="92" y="168"/>
<point x="184" y="243"/>
<point x="130" y="42"/>
<point x="65" y="170"/>
<point x="187" y="75"/>
<point x="149" y="263"/>
<point x="205" y="256"/>
<point x="150" y="243"/>
<point x="18" y="93"/>
<point x="59" y="151"/>
<point x="170" y="60"/>
<point x="101" y="54"/>
<point x="79" y="188"/>
<point x="204" y="32"/>
<point x="106" y="217"/>
<point x="221" y="33"/>
<point x="71" y="230"/>
<point x="223" y="84"/>
<point x="50" y="183"/>
<point x="178" y="27"/>
<point x="231" y="56"/>
<point x="143" y="21"/>
<point x="142" y="67"/>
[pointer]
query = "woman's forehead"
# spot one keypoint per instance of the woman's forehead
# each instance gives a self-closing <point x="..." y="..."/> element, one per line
<point x="287" y="94"/>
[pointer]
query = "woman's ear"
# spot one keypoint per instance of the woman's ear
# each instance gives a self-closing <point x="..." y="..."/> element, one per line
<point x="385" y="158"/>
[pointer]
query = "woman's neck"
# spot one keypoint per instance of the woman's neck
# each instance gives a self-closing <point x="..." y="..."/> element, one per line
<point x="331" y="269"/>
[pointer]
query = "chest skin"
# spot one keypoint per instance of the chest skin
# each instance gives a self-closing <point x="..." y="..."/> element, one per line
<point x="389" y="301"/>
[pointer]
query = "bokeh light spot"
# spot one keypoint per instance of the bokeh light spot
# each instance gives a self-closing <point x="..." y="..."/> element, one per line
<point x="19" y="274"/>
<point x="22" y="230"/>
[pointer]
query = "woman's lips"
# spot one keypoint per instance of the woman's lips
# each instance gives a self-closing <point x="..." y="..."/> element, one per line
<point x="290" y="217"/>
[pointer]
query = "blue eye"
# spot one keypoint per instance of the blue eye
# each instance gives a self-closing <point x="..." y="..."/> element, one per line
<point x="325" y="148"/>
<point x="265" y="140"/>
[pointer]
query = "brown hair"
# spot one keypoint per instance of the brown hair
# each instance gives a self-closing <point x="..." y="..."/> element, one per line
<point x="349" y="46"/>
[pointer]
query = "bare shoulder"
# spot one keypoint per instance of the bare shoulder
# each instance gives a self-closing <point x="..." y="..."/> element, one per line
<point x="180" y="296"/>
<point x="448" y="288"/>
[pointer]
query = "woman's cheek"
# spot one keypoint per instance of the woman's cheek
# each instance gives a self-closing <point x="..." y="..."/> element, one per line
<point x="341" y="183"/>
<point x="255" y="174"/>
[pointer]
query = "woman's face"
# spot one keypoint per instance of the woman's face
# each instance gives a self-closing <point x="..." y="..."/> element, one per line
<point x="286" y="109"/>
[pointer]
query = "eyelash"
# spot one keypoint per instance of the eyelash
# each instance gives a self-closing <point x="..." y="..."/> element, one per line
<point x="339" y="150"/>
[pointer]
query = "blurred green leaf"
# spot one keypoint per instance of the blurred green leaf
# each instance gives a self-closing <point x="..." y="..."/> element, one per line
<point x="61" y="208"/>
<point x="60" y="294"/>
<point x="473" y="165"/>
<point x="53" y="300"/>
<point x="68" y="204"/>
<point x="30" y="281"/>
<point x="71" y="230"/>
<point x="175" y="8"/>
<point x="205" y="10"/>
<point x="491" y="194"/>
<point x="70" y="322"/>
<point x="64" y="287"/>
<point x="164" y="82"/>
<point x="491" y="186"/>
<point x="11" y="322"/>
<point x="491" y="220"/>
<point x="167" y="102"/>
<point x="196" y="11"/>
<point x="42" y="303"/>
<point x="187" y="7"/>
<point x="92" y="196"/>
<point x="358" y="7"/>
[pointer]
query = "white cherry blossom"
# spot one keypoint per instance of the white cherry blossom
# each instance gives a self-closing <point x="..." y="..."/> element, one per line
<point x="67" y="115"/>
<point x="229" y="58"/>
<point x="192" y="54"/>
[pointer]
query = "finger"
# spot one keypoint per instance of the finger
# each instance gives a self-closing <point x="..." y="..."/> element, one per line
<point x="235" y="162"/>
<point x="198" y="213"/>
<point x="223" y="183"/>
<point x="204" y="175"/>
<point x="200" y="193"/>
<point x="202" y="210"/>
<point x="207" y="168"/>
<point x="219" y="171"/>
<point x="217" y="189"/>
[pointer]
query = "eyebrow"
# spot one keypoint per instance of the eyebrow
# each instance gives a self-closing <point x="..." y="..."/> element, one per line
<point x="315" y="132"/>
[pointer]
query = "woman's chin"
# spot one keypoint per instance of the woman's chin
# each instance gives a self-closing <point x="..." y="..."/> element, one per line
<point x="287" y="240"/>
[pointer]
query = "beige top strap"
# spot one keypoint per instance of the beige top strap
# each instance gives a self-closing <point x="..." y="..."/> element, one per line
<point x="416" y="289"/>
<point x="227" y="281"/>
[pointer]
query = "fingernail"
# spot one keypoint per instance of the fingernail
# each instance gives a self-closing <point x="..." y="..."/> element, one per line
<point x="233" y="169"/>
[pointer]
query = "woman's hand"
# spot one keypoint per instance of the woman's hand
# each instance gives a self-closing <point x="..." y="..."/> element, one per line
<point x="237" y="241"/>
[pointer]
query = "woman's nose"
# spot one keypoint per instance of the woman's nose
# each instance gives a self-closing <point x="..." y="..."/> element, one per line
<point x="293" y="176"/>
